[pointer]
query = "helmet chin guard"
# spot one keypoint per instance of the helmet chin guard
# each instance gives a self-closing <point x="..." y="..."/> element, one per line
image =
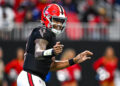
<point x="55" y="31"/>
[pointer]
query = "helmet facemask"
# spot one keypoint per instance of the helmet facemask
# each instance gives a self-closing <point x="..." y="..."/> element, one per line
<point x="57" y="24"/>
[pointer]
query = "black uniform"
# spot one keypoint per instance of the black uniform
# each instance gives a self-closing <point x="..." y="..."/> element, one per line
<point x="33" y="65"/>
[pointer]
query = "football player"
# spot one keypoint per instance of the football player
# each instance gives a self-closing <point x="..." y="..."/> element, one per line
<point x="42" y="48"/>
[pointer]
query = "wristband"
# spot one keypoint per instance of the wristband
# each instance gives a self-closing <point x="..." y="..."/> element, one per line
<point x="48" y="52"/>
<point x="71" y="62"/>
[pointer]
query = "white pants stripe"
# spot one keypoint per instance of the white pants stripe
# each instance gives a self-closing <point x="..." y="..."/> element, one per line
<point x="27" y="79"/>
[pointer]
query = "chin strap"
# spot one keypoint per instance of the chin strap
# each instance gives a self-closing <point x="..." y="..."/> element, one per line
<point x="56" y="32"/>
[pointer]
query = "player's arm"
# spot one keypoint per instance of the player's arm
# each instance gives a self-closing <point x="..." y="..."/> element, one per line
<point x="41" y="51"/>
<point x="57" y="65"/>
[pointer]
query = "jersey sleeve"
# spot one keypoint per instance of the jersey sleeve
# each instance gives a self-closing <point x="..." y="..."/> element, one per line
<point x="40" y="34"/>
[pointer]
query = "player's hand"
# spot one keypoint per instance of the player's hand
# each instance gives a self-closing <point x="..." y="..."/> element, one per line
<point x="81" y="57"/>
<point x="58" y="48"/>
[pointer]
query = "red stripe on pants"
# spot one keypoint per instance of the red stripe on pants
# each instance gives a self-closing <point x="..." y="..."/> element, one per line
<point x="30" y="79"/>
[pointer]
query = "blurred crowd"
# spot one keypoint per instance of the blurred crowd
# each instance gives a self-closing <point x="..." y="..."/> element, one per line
<point x="86" y="18"/>
<point x="10" y="71"/>
<point x="106" y="68"/>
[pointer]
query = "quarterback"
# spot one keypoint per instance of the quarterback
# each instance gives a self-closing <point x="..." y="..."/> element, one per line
<point x="42" y="48"/>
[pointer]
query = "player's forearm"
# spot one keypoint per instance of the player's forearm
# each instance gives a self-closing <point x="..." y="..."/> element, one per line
<point x="44" y="53"/>
<point x="76" y="60"/>
<point x="40" y="49"/>
<point x="57" y="65"/>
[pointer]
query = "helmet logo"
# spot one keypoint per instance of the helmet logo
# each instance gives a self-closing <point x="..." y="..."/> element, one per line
<point x="46" y="12"/>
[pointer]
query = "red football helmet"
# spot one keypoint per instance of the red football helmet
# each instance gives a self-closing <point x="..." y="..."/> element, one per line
<point x="54" y="11"/>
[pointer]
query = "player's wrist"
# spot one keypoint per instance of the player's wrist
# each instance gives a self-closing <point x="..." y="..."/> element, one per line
<point x="71" y="62"/>
<point x="53" y="52"/>
<point x="49" y="52"/>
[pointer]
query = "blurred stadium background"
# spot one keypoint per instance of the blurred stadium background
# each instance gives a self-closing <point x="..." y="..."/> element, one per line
<point x="92" y="24"/>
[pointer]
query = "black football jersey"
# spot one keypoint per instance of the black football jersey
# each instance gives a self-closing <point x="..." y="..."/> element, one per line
<point x="33" y="65"/>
